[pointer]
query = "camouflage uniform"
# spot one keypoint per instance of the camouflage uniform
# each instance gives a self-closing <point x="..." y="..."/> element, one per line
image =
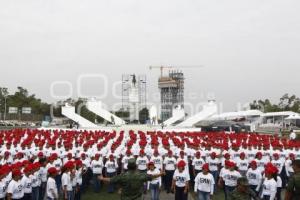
<point x="132" y="183"/>
<point x="248" y="195"/>
<point x="294" y="186"/>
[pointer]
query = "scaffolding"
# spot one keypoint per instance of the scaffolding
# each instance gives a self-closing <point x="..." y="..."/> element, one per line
<point x="171" y="92"/>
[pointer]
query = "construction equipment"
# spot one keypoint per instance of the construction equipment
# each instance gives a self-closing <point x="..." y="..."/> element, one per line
<point x="172" y="67"/>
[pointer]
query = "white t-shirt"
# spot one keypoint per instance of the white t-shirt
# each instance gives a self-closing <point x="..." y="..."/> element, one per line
<point x="111" y="166"/>
<point x="125" y="161"/>
<point x="66" y="181"/>
<point x="142" y="162"/>
<point x="170" y="163"/>
<point x="242" y="164"/>
<point x="198" y="163"/>
<point x="288" y="167"/>
<point x="230" y="178"/>
<point x="158" y="161"/>
<point x="57" y="164"/>
<point x="51" y="188"/>
<point x="254" y="177"/>
<point x="204" y="183"/>
<point x="181" y="178"/>
<point x="27" y="184"/>
<point x="78" y="175"/>
<point x="34" y="180"/>
<point x="269" y="188"/>
<point x="156" y="180"/>
<point x="261" y="164"/>
<point x="43" y="174"/>
<point x="16" y="189"/>
<point x="97" y="166"/>
<point x="213" y="163"/>
<point x="278" y="164"/>
<point x="3" y="188"/>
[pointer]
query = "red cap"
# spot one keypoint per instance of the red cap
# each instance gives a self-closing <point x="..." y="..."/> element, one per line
<point x="128" y="152"/>
<point x="151" y="163"/>
<point x="213" y="154"/>
<point x="16" y="172"/>
<point x="275" y="155"/>
<point x="253" y="163"/>
<point x="205" y="166"/>
<point x="52" y="170"/>
<point x="142" y="152"/>
<point x="181" y="164"/>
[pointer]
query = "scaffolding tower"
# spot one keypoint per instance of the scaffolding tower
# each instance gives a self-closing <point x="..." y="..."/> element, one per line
<point x="171" y="92"/>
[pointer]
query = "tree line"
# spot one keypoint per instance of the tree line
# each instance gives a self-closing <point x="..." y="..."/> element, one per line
<point x="286" y="103"/>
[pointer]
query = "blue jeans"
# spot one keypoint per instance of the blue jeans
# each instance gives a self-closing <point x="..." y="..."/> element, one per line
<point x="215" y="174"/>
<point x="70" y="195"/>
<point x="111" y="186"/>
<point x="228" y="189"/>
<point x="154" y="189"/>
<point x="35" y="193"/>
<point x="58" y="184"/>
<point x="97" y="183"/>
<point x="203" y="195"/>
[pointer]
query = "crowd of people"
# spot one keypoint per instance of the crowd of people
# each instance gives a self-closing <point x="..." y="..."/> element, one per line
<point x="38" y="164"/>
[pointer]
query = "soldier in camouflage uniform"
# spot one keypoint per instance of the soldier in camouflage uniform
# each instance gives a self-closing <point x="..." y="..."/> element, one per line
<point x="293" y="188"/>
<point x="131" y="182"/>
<point x="243" y="191"/>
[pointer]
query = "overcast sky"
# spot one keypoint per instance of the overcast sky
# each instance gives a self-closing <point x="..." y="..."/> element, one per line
<point x="250" y="49"/>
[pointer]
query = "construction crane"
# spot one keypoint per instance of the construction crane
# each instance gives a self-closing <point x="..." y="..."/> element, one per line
<point x="171" y="67"/>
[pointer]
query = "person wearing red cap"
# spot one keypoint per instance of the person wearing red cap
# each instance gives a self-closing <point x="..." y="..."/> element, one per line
<point x="97" y="167"/>
<point x="35" y="181"/>
<point x="242" y="164"/>
<point x="204" y="184"/>
<point x="169" y="166"/>
<point x="155" y="184"/>
<point x="125" y="159"/>
<point x="260" y="161"/>
<point x="277" y="162"/>
<point x="15" y="189"/>
<point x="78" y="177"/>
<point x="3" y="174"/>
<point x="66" y="181"/>
<point x="197" y="163"/>
<point x="51" y="189"/>
<point x="269" y="186"/>
<point x="214" y="166"/>
<point x="180" y="183"/>
<point x="142" y="161"/>
<point x="27" y="183"/>
<point x="43" y="177"/>
<point x="226" y="157"/>
<point x="111" y="167"/>
<point x="230" y="178"/>
<point x="157" y="159"/>
<point x="254" y="177"/>
<point x="289" y="165"/>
